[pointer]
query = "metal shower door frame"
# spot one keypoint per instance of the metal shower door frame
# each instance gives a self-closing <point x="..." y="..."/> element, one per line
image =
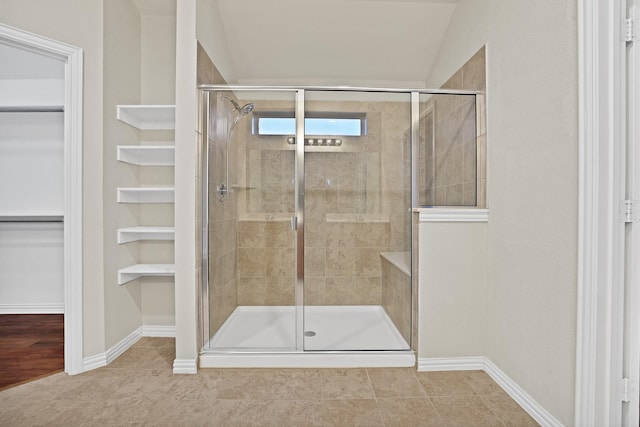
<point x="298" y="220"/>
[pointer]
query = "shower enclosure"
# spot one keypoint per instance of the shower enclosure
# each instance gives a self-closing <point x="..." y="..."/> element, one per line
<point x="307" y="197"/>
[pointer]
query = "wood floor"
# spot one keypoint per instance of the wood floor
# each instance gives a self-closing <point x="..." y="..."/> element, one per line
<point x="31" y="346"/>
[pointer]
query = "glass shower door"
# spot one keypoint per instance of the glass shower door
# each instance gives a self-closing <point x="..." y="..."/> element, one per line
<point x="357" y="221"/>
<point x="252" y="244"/>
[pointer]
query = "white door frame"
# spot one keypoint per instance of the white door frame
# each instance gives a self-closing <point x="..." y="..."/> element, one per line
<point x="73" y="57"/>
<point x="600" y="305"/>
<point x="631" y="338"/>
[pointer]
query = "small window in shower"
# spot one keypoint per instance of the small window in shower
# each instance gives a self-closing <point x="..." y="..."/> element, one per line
<point x="325" y="124"/>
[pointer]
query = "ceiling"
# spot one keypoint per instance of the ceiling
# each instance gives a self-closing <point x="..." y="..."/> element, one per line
<point x="334" y="42"/>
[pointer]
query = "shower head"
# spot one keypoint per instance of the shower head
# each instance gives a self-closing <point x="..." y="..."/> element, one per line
<point x="246" y="109"/>
<point x="242" y="111"/>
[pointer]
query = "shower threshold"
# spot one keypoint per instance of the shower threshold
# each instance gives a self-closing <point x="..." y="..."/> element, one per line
<point x="335" y="336"/>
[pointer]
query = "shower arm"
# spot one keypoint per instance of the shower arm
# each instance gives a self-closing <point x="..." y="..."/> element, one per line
<point x="225" y="189"/>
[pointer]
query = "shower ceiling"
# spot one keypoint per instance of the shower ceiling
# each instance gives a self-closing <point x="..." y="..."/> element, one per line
<point x="334" y="42"/>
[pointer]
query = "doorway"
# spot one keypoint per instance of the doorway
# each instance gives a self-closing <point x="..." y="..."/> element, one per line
<point x="70" y="207"/>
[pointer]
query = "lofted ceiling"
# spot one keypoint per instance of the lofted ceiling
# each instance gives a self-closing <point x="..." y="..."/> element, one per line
<point x="334" y="42"/>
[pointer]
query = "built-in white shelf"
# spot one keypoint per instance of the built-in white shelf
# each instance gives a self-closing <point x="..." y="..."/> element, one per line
<point x="133" y="234"/>
<point x="147" y="155"/>
<point x="148" y="116"/>
<point x="133" y="272"/>
<point x="146" y="194"/>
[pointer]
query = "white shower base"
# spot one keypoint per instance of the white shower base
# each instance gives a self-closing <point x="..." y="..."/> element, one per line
<point x="345" y="336"/>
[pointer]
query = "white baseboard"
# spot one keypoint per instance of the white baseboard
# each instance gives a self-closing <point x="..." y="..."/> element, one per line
<point x="103" y="359"/>
<point x="517" y="393"/>
<point x="123" y="345"/>
<point x="185" y="366"/>
<point x="32" y="308"/>
<point x="451" y="364"/>
<point x="168" y="331"/>
<point x="94" y="362"/>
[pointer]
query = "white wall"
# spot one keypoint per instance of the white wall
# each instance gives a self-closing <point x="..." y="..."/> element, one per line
<point x="79" y="23"/>
<point x="532" y="174"/>
<point x="186" y="185"/>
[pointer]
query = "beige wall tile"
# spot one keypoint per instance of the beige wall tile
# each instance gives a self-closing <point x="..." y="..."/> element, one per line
<point x="251" y="234"/>
<point x="252" y="291"/>
<point x="280" y="291"/>
<point x="252" y="262"/>
<point x="314" y="262"/>
<point x="314" y="290"/>
<point x="279" y="234"/>
<point x="341" y="262"/>
<point x="280" y="262"/>
<point x="368" y="262"/>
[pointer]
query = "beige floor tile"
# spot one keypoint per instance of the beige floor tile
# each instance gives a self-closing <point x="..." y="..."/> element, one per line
<point x="276" y="413"/>
<point x="138" y="410"/>
<point x="511" y="414"/>
<point x="186" y="387"/>
<point x="346" y="384"/>
<point x="135" y="357"/>
<point x="481" y="383"/>
<point x="156" y="342"/>
<point x="343" y="413"/>
<point x="29" y="413"/>
<point x="139" y="388"/>
<point x="94" y="413"/>
<point x="409" y="412"/>
<point x="192" y="413"/>
<point x="294" y="413"/>
<point x="465" y="411"/>
<point x="448" y="383"/>
<point x="395" y="382"/>
<point x="94" y="387"/>
<point x="244" y="384"/>
<point x="296" y="384"/>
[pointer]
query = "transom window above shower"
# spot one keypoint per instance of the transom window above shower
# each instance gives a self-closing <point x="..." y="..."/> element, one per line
<point x="315" y="123"/>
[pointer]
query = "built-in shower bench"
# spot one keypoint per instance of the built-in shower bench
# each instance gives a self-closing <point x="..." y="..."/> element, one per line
<point x="396" y="289"/>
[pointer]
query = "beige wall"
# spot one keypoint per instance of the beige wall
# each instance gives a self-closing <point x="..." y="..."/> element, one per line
<point x="110" y="36"/>
<point x="452" y="271"/>
<point x="532" y="173"/>
<point x="79" y="23"/>
<point x="210" y="34"/>
<point x="157" y="82"/>
<point x="121" y="84"/>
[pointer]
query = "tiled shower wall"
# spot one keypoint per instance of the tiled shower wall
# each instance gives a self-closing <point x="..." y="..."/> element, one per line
<point x="452" y="148"/>
<point x="222" y="221"/>
<point x="396" y="297"/>
<point x="356" y="205"/>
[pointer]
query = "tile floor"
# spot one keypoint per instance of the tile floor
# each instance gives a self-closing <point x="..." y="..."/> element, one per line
<point x="139" y="389"/>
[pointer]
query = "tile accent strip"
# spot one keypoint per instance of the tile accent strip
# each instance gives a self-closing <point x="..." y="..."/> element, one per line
<point x="453" y="214"/>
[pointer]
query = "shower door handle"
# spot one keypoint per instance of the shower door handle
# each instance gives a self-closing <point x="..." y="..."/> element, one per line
<point x="294" y="223"/>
